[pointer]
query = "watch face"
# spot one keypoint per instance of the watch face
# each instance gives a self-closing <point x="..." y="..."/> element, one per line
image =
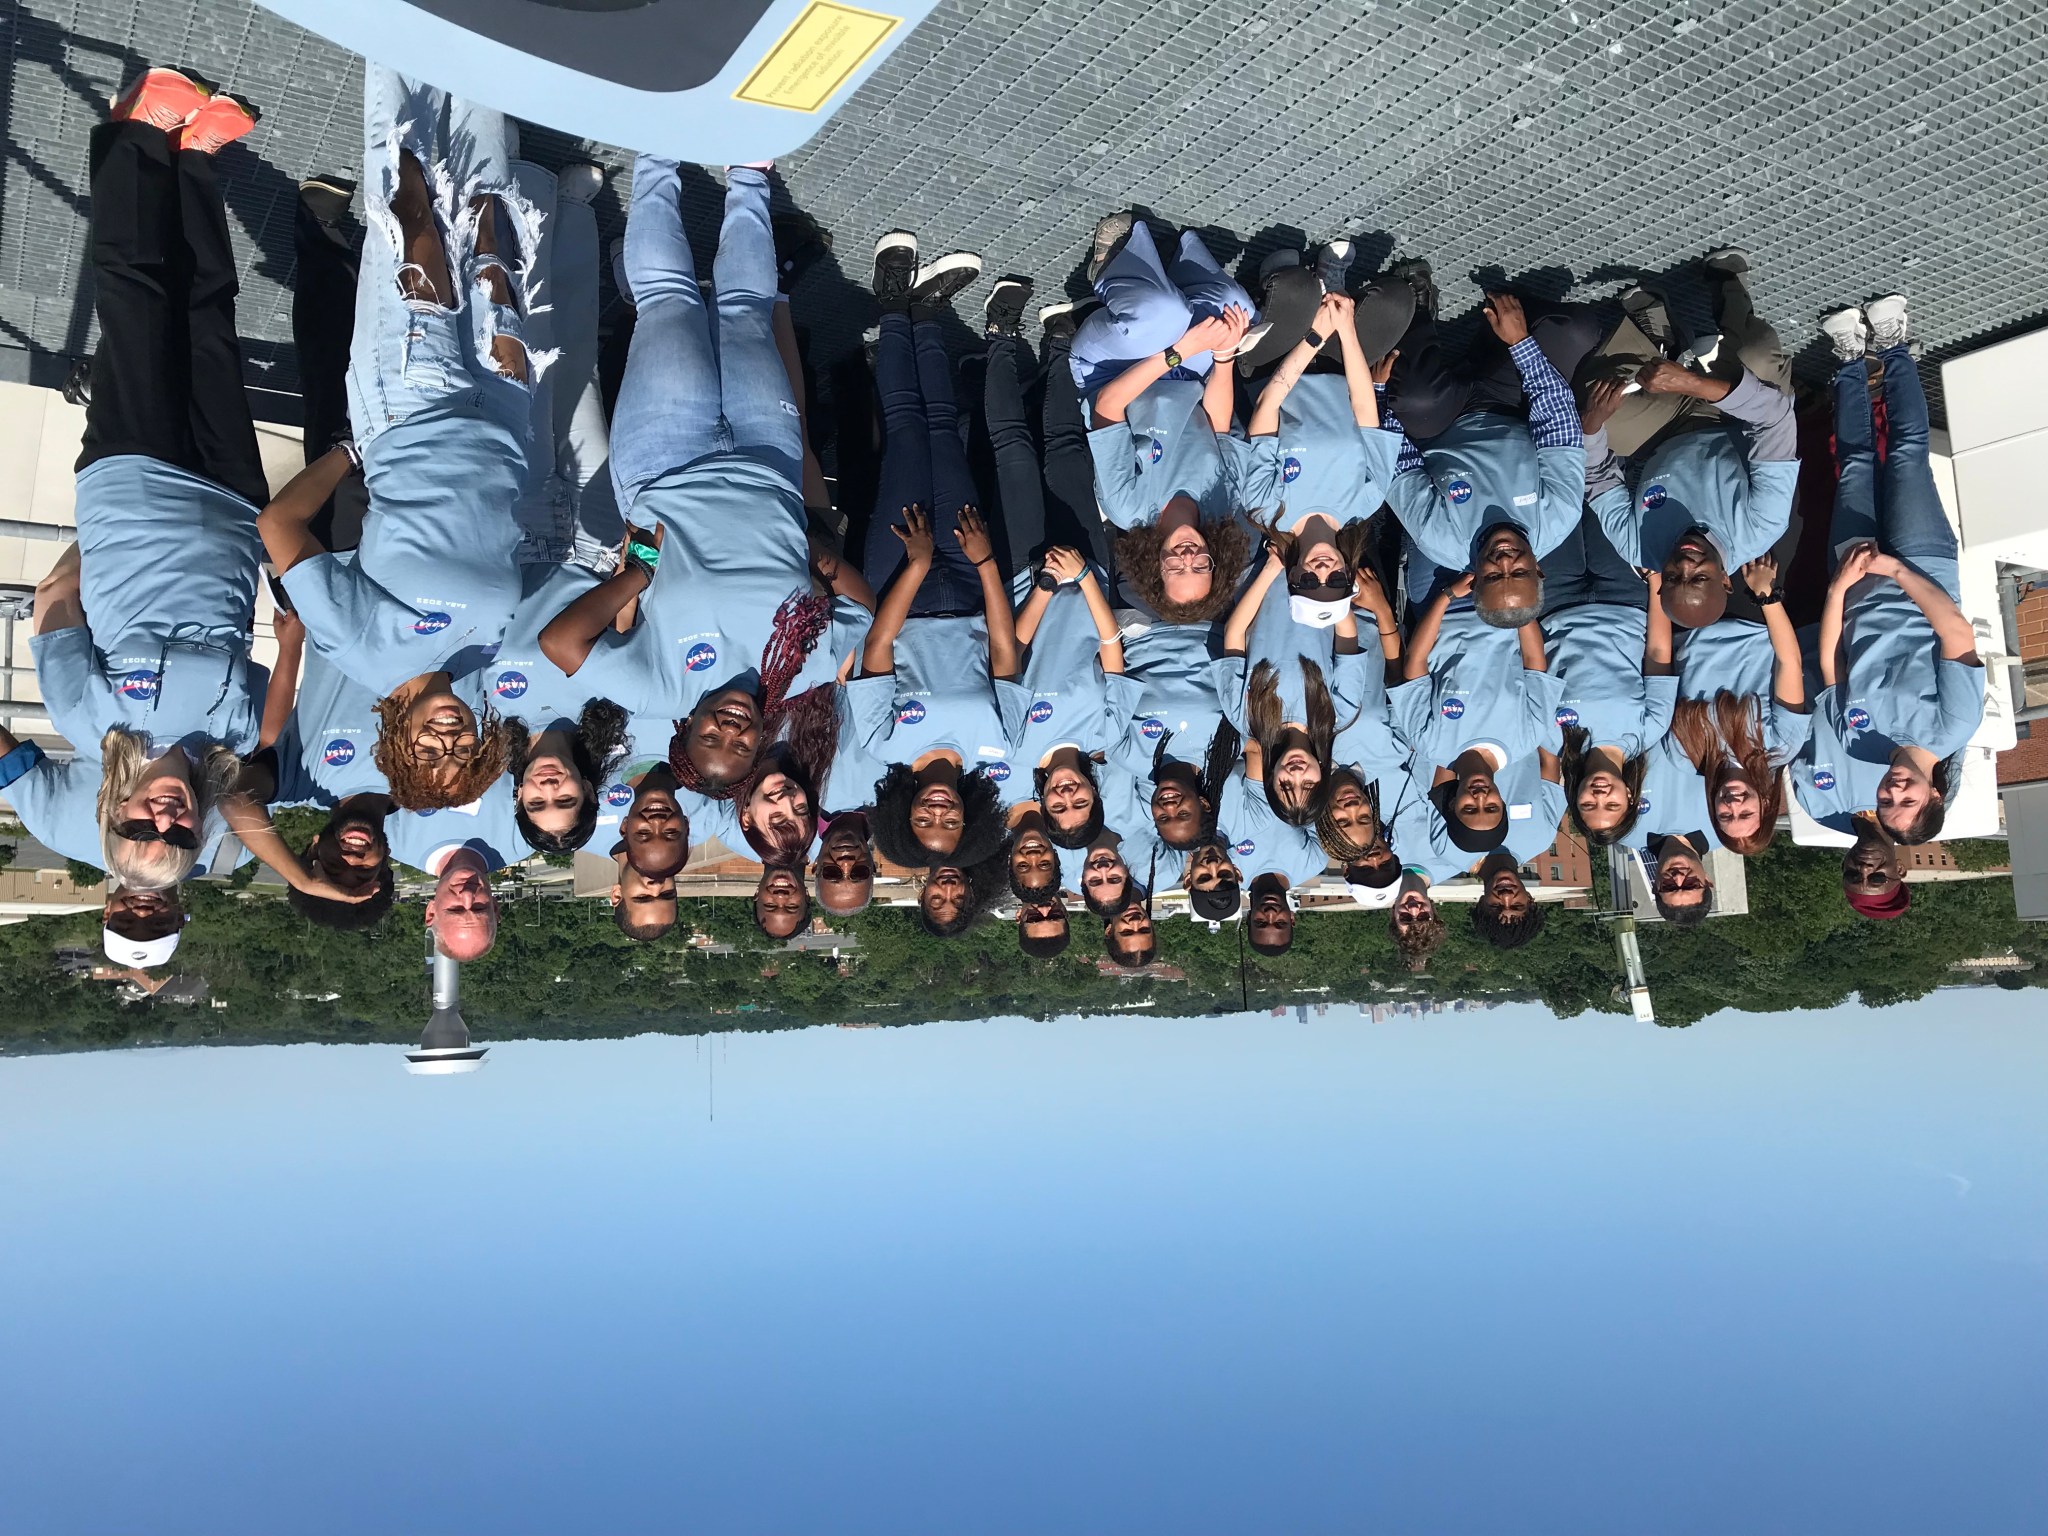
<point x="648" y="45"/>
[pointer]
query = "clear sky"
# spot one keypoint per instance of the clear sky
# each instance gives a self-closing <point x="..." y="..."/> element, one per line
<point x="1491" y="1273"/>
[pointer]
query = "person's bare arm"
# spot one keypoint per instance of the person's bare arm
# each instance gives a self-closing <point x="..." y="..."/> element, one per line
<point x="251" y="823"/>
<point x="1113" y="400"/>
<point x="60" y="603"/>
<point x="286" y="524"/>
<point x="839" y="575"/>
<point x="1110" y="649"/>
<point x="1788" y="676"/>
<point x="570" y="635"/>
<point x="1548" y="767"/>
<point x="1237" y="630"/>
<point x="283" y="692"/>
<point x="878" y="655"/>
<point x="1005" y="661"/>
<point x="1265" y="420"/>
<point x="1953" y="632"/>
<point x="1531" y="637"/>
<point x="1219" y="391"/>
<point x="1365" y="400"/>
<point x="1854" y="566"/>
<point x="1657" y="632"/>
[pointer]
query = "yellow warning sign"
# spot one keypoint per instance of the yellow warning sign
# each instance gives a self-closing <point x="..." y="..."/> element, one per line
<point x="816" y="56"/>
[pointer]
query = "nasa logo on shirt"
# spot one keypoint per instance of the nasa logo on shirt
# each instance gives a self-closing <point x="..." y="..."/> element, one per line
<point x="338" y="753"/>
<point x="997" y="772"/>
<point x="139" y="685"/>
<point x="1040" y="712"/>
<point x="912" y="713"/>
<point x="431" y="623"/>
<point x="1567" y="717"/>
<point x="1290" y="470"/>
<point x="1459" y="491"/>
<point x="510" y="685"/>
<point x="1454" y="709"/>
<point x="1244" y="848"/>
<point x="701" y="655"/>
<point x="1823" y="778"/>
<point x="1859" y="719"/>
<point x="1653" y="498"/>
<point x="1642" y="804"/>
<point x="1151" y="450"/>
<point x="618" y="796"/>
<point x="1152" y="728"/>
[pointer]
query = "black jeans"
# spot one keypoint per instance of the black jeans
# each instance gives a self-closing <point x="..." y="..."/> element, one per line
<point x="924" y="463"/>
<point x="1428" y="391"/>
<point x="1048" y="496"/>
<point x="1586" y="568"/>
<point x="323" y="321"/>
<point x="167" y="378"/>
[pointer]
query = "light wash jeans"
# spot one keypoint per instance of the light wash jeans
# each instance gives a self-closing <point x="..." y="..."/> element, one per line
<point x="701" y="381"/>
<point x="1893" y="501"/>
<point x="408" y="354"/>
<point x="1147" y="306"/>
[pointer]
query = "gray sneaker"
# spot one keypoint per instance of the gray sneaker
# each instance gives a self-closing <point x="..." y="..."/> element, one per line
<point x="1844" y="327"/>
<point x="1110" y="234"/>
<point x="1889" y="326"/>
<point x="1651" y="316"/>
<point x="1728" y="261"/>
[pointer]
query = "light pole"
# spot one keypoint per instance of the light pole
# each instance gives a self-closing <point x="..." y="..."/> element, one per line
<point x="444" y="1047"/>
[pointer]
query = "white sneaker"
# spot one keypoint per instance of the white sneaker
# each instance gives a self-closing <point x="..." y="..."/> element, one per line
<point x="1845" y="328"/>
<point x="1889" y="326"/>
<point x="579" y="182"/>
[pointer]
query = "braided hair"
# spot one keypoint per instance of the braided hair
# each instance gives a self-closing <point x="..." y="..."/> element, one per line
<point x="799" y="623"/>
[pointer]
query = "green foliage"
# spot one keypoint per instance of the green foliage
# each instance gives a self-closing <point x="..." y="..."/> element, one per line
<point x="561" y="968"/>
<point x="83" y="875"/>
<point x="1979" y="853"/>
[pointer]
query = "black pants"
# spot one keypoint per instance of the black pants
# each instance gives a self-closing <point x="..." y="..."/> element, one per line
<point x="1586" y="568"/>
<point x="1429" y="390"/>
<point x="323" y="322"/>
<point x="1048" y="495"/>
<point x="167" y="378"/>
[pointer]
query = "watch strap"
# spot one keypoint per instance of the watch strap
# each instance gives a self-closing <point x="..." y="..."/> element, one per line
<point x="1172" y="358"/>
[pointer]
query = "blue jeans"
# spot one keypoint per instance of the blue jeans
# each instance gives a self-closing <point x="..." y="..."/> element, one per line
<point x="1147" y="306"/>
<point x="694" y="388"/>
<point x="407" y="354"/>
<point x="1586" y="568"/>
<point x="924" y="464"/>
<point x="1893" y="502"/>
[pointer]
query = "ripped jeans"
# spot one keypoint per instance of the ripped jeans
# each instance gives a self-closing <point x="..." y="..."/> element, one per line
<point x="407" y="353"/>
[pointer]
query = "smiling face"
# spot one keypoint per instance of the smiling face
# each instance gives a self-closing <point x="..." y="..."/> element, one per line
<point x="551" y="793"/>
<point x="1412" y="908"/>
<point x="1040" y="921"/>
<point x="945" y="897"/>
<point x="1738" y="810"/>
<point x="1351" y="816"/>
<point x="1696" y="583"/>
<point x="938" y="816"/>
<point x="1034" y="865"/>
<point x="1131" y="929"/>
<point x="1476" y="801"/>
<point x="655" y="831"/>
<point x="1069" y="798"/>
<point x="846" y="866"/>
<point x="1506" y="575"/>
<point x="1682" y="879"/>
<point x="441" y="734"/>
<point x="1507" y="895"/>
<point x="1209" y="868"/>
<point x="350" y="851"/>
<point x="1105" y="879"/>
<point x="1902" y="795"/>
<point x="463" y="913"/>
<point x="1603" y="801"/>
<point x="724" y="736"/>
<point x="1176" y="813"/>
<point x="1187" y="568"/>
<point x="143" y="915"/>
<point x="780" y="903"/>
<point x="1870" y="868"/>
<point x="649" y="904"/>
<point x="1296" y="776"/>
<point x="778" y="812"/>
<point x="1317" y="564"/>
<point x="163" y="799"/>
<point x="1270" y="925"/>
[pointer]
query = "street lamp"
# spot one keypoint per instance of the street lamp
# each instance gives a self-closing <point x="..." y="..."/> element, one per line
<point x="444" y="1047"/>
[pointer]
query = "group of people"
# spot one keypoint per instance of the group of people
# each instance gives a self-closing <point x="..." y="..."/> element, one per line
<point x="1222" y="594"/>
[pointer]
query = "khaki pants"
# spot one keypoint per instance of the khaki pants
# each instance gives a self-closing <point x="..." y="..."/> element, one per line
<point x="1748" y="343"/>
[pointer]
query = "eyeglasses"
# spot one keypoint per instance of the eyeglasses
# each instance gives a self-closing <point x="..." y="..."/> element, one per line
<point x="1189" y="559"/>
<point x="464" y="751"/>
<point x="147" y="832"/>
<point x="1680" y="879"/>
<point x="1868" y="878"/>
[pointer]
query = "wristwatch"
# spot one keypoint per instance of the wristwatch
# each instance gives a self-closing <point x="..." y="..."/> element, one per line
<point x="1045" y="581"/>
<point x="1314" y="338"/>
<point x="1172" y="359"/>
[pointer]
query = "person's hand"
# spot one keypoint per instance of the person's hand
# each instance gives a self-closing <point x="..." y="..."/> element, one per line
<point x="1276" y="558"/>
<point x="1335" y="315"/>
<point x="310" y="884"/>
<point x="1661" y="376"/>
<point x="1462" y="587"/>
<point x="288" y="627"/>
<point x="916" y="533"/>
<point x="1602" y="400"/>
<point x="972" y="533"/>
<point x="1856" y="563"/>
<point x="1383" y="370"/>
<point x="1504" y="314"/>
<point x="1887" y="566"/>
<point x="1065" y="564"/>
<point x="1367" y="593"/>
<point x="1654" y="579"/>
<point x="1216" y="333"/>
<point x="1760" y="576"/>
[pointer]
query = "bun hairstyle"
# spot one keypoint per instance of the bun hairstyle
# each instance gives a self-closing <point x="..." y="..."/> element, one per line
<point x="1578" y="743"/>
<point x="1726" y="733"/>
<point x="1137" y="560"/>
<point x="1262" y="715"/>
<point x="596" y="746"/>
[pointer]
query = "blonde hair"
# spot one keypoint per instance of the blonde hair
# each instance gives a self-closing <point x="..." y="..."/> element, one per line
<point x="124" y="755"/>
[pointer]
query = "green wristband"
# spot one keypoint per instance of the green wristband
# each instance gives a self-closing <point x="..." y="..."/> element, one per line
<point x="648" y="555"/>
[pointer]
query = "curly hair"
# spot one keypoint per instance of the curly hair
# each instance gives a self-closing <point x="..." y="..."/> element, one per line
<point x="1089" y="830"/>
<point x="417" y="786"/>
<point x="1421" y="939"/>
<point x="152" y="866"/>
<point x="981" y="834"/>
<point x="1262" y="714"/>
<point x="1505" y="933"/>
<point x="596" y="747"/>
<point x="1578" y="745"/>
<point x="985" y="882"/>
<point x="1724" y="733"/>
<point x="1137" y="558"/>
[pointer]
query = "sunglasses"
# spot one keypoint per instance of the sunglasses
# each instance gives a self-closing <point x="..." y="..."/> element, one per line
<point x="146" y="832"/>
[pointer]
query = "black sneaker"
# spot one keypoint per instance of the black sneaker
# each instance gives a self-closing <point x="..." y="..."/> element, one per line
<point x="1060" y="321"/>
<point x="800" y="244"/>
<point x="78" y="383"/>
<point x="1646" y="307"/>
<point x="327" y="197"/>
<point x="1416" y="274"/>
<point x="895" y="270"/>
<point x="938" y="281"/>
<point x="1004" y="310"/>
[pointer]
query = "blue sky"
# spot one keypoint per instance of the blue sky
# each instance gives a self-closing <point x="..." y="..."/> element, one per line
<point x="1469" y="1274"/>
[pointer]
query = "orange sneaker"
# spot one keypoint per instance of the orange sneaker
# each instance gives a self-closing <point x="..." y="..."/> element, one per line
<point x="163" y="98"/>
<point x="225" y="118"/>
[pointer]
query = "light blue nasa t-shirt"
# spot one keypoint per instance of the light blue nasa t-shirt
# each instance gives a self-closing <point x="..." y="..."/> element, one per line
<point x="1163" y="447"/>
<point x="1596" y="655"/>
<point x="328" y="749"/>
<point x="1702" y="479"/>
<point x="1534" y="806"/>
<point x="940" y="698"/>
<point x="1074" y="703"/>
<point x="1673" y="798"/>
<point x="1734" y="655"/>
<point x="518" y="679"/>
<point x="1177" y="701"/>
<point x="1261" y="843"/>
<point x="1486" y="470"/>
<point x="167" y="577"/>
<point x="1897" y="690"/>
<point x="1476" y="693"/>
<point x="1321" y="461"/>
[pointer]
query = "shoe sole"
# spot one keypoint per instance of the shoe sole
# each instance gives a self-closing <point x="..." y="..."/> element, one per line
<point x="945" y="266"/>
<point x="121" y="107"/>
<point x="595" y="182"/>
<point x="896" y="239"/>
<point x="1022" y="287"/>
